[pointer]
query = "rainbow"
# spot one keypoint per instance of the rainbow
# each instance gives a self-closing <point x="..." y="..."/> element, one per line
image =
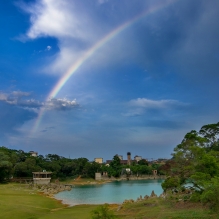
<point x="92" y="50"/>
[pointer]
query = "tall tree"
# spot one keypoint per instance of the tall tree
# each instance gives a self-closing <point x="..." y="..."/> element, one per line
<point x="5" y="167"/>
<point x="196" y="159"/>
<point x="116" y="166"/>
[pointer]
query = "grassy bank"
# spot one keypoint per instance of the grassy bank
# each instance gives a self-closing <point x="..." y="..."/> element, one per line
<point x="18" y="201"/>
<point x="157" y="208"/>
<point x="83" y="181"/>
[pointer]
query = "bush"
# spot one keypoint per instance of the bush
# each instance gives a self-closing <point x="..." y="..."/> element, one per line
<point x="103" y="212"/>
<point x="210" y="195"/>
<point x="171" y="183"/>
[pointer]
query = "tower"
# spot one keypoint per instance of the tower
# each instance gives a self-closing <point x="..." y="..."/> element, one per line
<point x="129" y="158"/>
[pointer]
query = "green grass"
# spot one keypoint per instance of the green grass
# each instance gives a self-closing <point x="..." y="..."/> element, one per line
<point x="158" y="208"/>
<point x="17" y="201"/>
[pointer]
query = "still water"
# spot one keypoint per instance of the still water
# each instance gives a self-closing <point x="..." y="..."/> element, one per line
<point x="114" y="192"/>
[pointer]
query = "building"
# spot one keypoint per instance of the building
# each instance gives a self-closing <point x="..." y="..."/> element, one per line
<point x="41" y="177"/>
<point x="129" y="158"/>
<point x="98" y="160"/>
<point x="120" y="157"/>
<point x="129" y="161"/>
<point x="33" y="153"/>
<point x="98" y="176"/>
<point x="138" y="158"/>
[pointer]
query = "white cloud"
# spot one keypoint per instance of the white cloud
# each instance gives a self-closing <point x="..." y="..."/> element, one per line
<point x="3" y="96"/>
<point x="16" y="98"/>
<point x="139" y="106"/>
<point x="60" y="104"/>
<point x="153" y="104"/>
<point x="48" y="48"/>
<point x="59" y="18"/>
<point x="71" y="23"/>
<point x="77" y="28"/>
<point x="79" y="25"/>
<point x="20" y="94"/>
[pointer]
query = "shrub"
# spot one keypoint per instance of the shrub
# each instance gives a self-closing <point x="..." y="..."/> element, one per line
<point x="103" y="212"/>
<point x="210" y="195"/>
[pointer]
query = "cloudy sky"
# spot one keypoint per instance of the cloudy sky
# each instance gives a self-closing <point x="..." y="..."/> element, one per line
<point x="95" y="78"/>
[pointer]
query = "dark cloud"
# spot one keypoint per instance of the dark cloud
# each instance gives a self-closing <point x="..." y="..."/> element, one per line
<point x="183" y="37"/>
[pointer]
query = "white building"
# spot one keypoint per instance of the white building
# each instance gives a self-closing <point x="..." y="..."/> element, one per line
<point x="120" y="157"/>
<point x="98" y="160"/>
<point x="138" y="158"/>
<point x="33" y="153"/>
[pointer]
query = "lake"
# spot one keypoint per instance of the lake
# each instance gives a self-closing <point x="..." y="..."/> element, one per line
<point x="113" y="192"/>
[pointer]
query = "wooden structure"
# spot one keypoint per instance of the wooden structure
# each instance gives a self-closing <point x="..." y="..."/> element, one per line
<point x="22" y="179"/>
<point x="41" y="177"/>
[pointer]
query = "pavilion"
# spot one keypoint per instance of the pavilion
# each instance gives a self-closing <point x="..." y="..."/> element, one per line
<point x="41" y="177"/>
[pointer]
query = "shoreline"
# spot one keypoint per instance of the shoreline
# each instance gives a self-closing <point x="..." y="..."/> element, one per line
<point x="70" y="203"/>
<point x="112" y="179"/>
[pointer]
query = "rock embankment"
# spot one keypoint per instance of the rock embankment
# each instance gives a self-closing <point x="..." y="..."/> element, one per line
<point x="52" y="188"/>
<point x="153" y="195"/>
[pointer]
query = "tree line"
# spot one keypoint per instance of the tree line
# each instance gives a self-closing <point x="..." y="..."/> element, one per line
<point x="18" y="163"/>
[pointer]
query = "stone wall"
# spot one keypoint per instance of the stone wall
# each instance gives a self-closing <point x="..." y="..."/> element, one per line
<point x="134" y="177"/>
<point x="98" y="176"/>
<point x="41" y="181"/>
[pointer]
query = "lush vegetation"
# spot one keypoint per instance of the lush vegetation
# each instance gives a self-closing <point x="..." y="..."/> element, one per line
<point x="103" y="212"/>
<point x="196" y="160"/>
<point x="17" y="163"/>
<point x="115" y="168"/>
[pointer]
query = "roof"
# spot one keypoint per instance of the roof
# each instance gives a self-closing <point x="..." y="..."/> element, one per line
<point x="121" y="161"/>
<point x="41" y="172"/>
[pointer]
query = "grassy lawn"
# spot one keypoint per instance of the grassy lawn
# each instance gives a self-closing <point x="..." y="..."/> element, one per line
<point x="18" y="201"/>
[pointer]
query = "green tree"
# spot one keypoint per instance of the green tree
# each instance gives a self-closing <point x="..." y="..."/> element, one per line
<point x="196" y="160"/>
<point x="210" y="195"/>
<point x="5" y="167"/>
<point x="91" y="168"/>
<point x="116" y="166"/>
<point x="171" y="183"/>
<point x="211" y="132"/>
<point x="143" y="162"/>
<point x="25" y="169"/>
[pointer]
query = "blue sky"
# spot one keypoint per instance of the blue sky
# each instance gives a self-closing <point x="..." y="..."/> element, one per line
<point x="141" y="91"/>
